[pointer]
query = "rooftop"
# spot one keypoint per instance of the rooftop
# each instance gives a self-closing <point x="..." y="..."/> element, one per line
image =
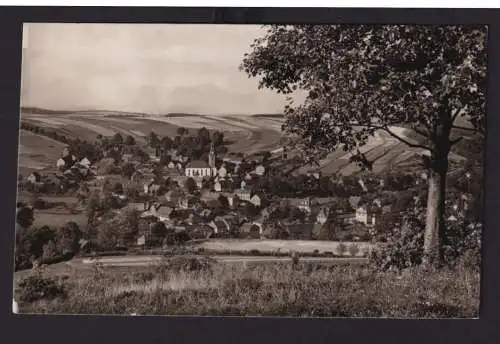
<point x="197" y="164"/>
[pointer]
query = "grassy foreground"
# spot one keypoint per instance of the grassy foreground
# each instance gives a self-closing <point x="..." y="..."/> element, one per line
<point x="264" y="290"/>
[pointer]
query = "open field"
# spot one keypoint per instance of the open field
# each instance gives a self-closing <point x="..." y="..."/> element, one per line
<point x="249" y="134"/>
<point x="57" y="218"/>
<point x="37" y="152"/>
<point x="260" y="290"/>
<point x="282" y="246"/>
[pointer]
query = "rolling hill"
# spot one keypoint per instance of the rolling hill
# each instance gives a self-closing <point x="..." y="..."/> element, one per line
<point x="246" y="134"/>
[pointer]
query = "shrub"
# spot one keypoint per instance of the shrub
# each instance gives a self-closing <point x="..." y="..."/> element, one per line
<point x="404" y="248"/>
<point x="36" y="287"/>
<point x="341" y="249"/>
<point x="354" y="250"/>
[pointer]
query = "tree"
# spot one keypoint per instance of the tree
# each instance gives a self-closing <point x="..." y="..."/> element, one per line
<point x="69" y="235"/>
<point x="129" y="140"/>
<point x="190" y="185"/>
<point x="218" y="138"/>
<point x="93" y="207"/>
<point x="204" y="136"/>
<point x="167" y="143"/>
<point x="128" y="170"/>
<point x="25" y="216"/>
<point x="224" y="202"/>
<point x="118" y="188"/>
<point x="153" y="140"/>
<point x="130" y="226"/>
<point x="181" y="131"/>
<point x="159" y="230"/>
<point x="366" y="79"/>
<point x="117" y="139"/>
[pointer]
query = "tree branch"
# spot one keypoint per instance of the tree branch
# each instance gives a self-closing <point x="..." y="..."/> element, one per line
<point x="412" y="145"/>
<point x="399" y="138"/>
<point x="466" y="129"/>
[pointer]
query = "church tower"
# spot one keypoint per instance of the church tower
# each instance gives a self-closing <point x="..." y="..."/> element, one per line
<point x="211" y="156"/>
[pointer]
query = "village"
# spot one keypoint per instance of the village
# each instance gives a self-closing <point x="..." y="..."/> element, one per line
<point x="153" y="195"/>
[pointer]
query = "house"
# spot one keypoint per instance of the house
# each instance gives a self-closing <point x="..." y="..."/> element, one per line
<point x="256" y="200"/>
<point x="346" y="218"/>
<point x="136" y="206"/>
<point x="187" y="202"/>
<point x="60" y="163"/>
<point x="322" y="216"/>
<point x="233" y="160"/>
<point x="222" y="172"/>
<point x="220" y="226"/>
<point x="201" y="231"/>
<point x="127" y="157"/>
<point x="147" y="187"/>
<point x="200" y="168"/>
<point x="218" y="187"/>
<point x="354" y="201"/>
<point x="34" y="177"/>
<point x="141" y="240"/>
<point x="250" y="230"/>
<point x="163" y="213"/>
<point x="260" y="170"/>
<point x="85" y="162"/>
<point x="301" y="203"/>
<point x="244" y="194"/>
<point x="366" y="215"/>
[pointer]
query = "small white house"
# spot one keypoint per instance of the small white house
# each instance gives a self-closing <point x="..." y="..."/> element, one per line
<point x="256" y="200"/>
<point x="60" y="163"/>
<point x="85" y="162"/>
<point x="217" y="187"/>
<point x="222" y="172"/>
<point x="260" y="170"/>
<point x="365" y="216"/>
<point x="322" y="216"/>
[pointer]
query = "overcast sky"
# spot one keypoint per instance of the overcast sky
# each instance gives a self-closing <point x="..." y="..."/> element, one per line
<point x="142" y="68"/>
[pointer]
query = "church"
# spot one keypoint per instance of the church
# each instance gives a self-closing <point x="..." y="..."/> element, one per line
<point x="200" y="169"/>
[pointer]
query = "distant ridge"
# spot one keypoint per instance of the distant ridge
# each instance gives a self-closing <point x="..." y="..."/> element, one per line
<point x="41" y="111"/>
<point x="264" y="115"/>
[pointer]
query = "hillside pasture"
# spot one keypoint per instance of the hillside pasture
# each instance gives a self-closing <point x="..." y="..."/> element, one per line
<point x="37" y="152"/>
<point x="244" y="134"/>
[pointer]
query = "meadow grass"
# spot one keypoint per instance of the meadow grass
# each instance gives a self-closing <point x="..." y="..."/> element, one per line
<point x="268" y="290"/>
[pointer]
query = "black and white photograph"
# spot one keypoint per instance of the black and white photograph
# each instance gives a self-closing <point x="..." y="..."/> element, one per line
<point x="251" y="170"/>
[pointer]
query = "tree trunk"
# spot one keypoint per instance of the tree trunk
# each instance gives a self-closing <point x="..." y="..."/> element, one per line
<point x="434" y="235"/>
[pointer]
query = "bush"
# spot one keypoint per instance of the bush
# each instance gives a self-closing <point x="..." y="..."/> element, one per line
<point x="341" y="249"/>
<point x="37" y="287"/>
<point x="404" y="248"/>
<point x="354" y="250"/>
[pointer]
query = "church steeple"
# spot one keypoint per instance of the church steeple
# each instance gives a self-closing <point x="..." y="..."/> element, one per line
<point x="211" y="156"/>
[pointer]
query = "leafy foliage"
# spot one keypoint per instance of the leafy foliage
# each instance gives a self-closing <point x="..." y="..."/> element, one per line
<point x="37" y="287"/>
<point x="364" y="79"/>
